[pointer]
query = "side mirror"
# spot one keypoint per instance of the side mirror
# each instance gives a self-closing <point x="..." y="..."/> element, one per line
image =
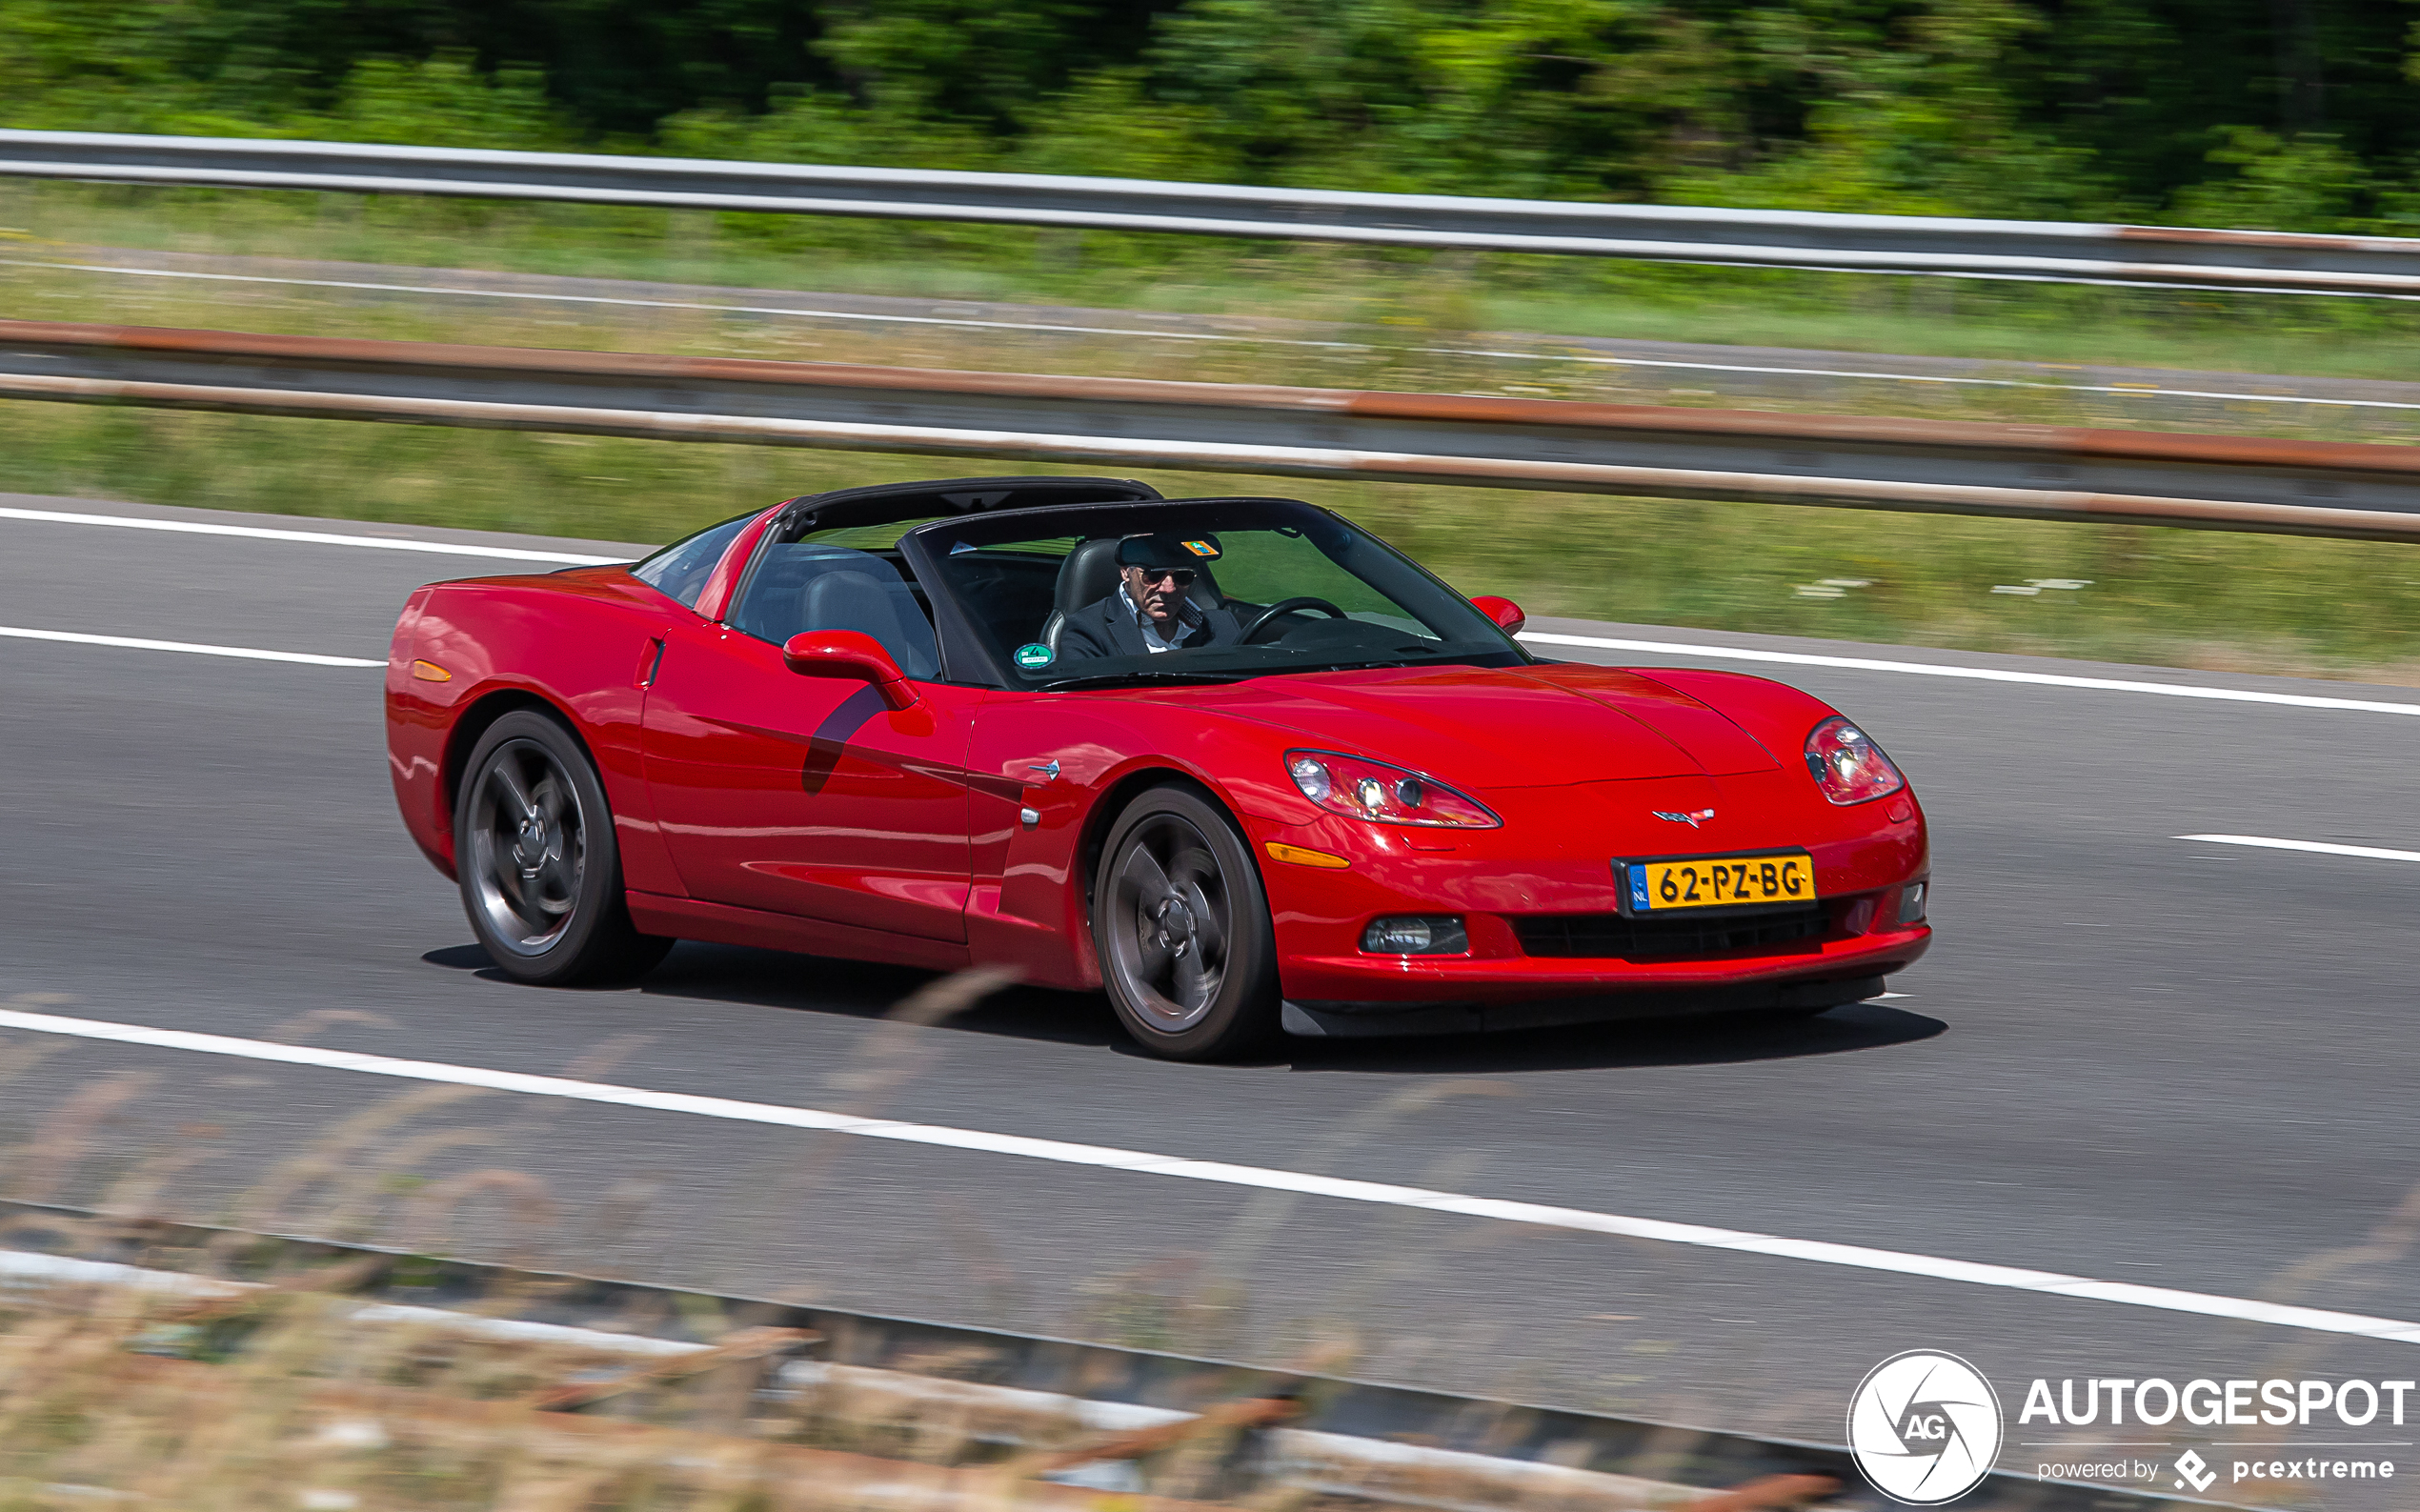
<point x="852" y="654"/>
<point x="1503" y="612"/>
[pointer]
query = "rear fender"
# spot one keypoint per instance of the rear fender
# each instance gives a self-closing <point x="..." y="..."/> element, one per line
<point x="570" y="644"/>
<point x="482" y="711"/>
<point x="417" y="713"/>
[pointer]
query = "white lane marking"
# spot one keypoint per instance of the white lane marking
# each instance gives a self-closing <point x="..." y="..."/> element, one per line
<point x="260" y="533"/>
<point x="2126" y="390"/>
<point x="1930" y="669"/>
<point x="133" y="643"/>
<point x="2317" y="847"/>
<point x="1143" y="1163"/>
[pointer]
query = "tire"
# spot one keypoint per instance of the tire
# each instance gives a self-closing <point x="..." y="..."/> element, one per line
<point x="1182" y="926"/>
<point x="534" y="852"/>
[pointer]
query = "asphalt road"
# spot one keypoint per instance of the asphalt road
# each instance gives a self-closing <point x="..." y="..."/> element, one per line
<point x="2128" y="1058"/>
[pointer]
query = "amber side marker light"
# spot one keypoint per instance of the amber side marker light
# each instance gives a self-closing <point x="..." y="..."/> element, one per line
<point x="1302" y="858"/>
<point x="430" y="672"/>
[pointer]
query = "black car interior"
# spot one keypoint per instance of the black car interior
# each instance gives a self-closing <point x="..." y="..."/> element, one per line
<point x="853" y="560"/>
<point x="807" y="586"/>
<point x="796" y="584"/>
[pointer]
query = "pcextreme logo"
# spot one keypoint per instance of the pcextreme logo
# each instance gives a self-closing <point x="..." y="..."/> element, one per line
<point x="1925" y="1427"/>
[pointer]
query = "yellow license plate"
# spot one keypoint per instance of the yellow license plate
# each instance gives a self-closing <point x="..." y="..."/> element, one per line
<point x="1720" y="881"/>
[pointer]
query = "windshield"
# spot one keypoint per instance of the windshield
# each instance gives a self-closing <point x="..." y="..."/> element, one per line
<point x="680" y="570"/>
<point x="1207" y="591"/>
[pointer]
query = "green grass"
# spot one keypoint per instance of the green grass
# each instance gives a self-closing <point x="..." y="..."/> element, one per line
<point x="1556" y="295"/>
<point x="1396" y="346"/>
<point x="2159" y="595"/>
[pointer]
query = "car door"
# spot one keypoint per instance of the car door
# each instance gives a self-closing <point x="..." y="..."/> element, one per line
<point x="810" y="795"/>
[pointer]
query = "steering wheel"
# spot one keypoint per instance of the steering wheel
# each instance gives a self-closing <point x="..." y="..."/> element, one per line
<point x="1286" y="606"/>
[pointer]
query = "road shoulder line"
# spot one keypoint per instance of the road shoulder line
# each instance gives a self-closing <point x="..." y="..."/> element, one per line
<point x="2266" y="842"/>
<point x="1935" y="669"/>
<point x="384" y="543"/>
<point x="195" y="647"/>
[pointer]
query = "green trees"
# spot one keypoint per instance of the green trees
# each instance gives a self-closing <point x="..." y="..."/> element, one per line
<point x="2293" y="113"/>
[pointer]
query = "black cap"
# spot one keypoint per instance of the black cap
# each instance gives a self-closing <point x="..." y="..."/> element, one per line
<point x="1164" y="549"/>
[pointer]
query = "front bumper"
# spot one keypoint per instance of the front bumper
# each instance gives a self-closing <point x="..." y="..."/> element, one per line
<point x="1391" y="995"/>
<point x="1362" y="1019"/>
<point x="1554" y="862"/>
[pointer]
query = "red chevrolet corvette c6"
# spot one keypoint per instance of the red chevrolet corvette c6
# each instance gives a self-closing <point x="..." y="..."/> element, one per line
<point x="1235" y="761"/>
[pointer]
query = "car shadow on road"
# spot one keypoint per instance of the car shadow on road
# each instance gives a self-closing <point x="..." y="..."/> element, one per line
<point x="1726" y="1039"/>
<point x="851" y="989"/>
<point x="768" y="979"/>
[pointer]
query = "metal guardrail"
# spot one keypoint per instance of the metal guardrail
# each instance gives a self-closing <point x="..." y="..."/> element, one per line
<point x="1562" y="1457"/>
<point x="1923" y="466"/>
<point x="2044" y="251"/>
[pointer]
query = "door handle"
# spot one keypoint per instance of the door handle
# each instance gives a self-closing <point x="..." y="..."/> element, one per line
<point x="650" y="660"/>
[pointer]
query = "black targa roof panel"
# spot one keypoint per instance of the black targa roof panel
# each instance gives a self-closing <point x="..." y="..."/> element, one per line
<point x="886" y="503"/>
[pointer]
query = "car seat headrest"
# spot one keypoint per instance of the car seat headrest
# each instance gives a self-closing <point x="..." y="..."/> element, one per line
<point x="1088" y="575"/>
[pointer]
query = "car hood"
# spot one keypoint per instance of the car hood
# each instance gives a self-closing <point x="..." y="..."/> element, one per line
<point x="1482" y="728"/>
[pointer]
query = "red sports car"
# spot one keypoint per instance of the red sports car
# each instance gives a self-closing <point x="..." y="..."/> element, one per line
<point x="1234" y="760"/>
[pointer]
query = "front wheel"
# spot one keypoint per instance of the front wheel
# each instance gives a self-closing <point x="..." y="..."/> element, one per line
<point x="534" y="850"/>
<point x="1182" y="926"/>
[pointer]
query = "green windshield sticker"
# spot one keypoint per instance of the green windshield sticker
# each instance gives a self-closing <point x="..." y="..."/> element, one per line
<point x="1033" y="656"/>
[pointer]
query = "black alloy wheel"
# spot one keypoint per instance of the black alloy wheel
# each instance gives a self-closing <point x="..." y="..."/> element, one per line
<point x="1181" y="927"/>
<point x="534" y="850"/>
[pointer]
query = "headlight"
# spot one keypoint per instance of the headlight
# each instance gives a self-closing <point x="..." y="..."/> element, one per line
<point x="1848" y="767"/>
<point x="1364" y="788"/>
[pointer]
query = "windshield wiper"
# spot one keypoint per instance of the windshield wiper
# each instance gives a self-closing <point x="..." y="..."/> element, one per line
<point x="1426" y="658"/>
<point x="1103" y="678"/>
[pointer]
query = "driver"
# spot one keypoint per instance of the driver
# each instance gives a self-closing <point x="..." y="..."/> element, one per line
<point x="1152" y="611"/>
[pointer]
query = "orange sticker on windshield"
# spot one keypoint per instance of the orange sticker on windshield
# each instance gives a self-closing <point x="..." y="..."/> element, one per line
<point x="1199" y="548"/>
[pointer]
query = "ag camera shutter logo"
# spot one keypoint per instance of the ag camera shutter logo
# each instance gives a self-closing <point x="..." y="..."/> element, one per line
<point x="1925" y="1427"/>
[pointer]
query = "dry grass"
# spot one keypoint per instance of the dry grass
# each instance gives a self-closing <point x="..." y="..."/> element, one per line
<point x="257" y="1380"/>
<point x="287" y="1400"/>
<point x="289" y="1394"/>
<point x="202" y="1368"/>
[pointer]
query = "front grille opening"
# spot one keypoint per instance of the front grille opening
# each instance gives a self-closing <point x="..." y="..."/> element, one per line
<point x="1613" y="936"/>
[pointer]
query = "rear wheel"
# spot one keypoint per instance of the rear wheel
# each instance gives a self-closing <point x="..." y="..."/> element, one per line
<point x="1182" y="930"/>
<point x="533" y="849"/>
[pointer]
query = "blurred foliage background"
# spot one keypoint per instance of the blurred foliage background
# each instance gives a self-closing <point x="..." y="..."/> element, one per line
<point x="2283" y="114"/>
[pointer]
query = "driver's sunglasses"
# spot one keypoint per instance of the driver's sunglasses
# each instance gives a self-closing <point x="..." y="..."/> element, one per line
<point x="1180" y="577"/>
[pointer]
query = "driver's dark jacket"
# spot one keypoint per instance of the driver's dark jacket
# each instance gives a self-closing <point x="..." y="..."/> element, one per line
<point x="1108" y="629"/>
